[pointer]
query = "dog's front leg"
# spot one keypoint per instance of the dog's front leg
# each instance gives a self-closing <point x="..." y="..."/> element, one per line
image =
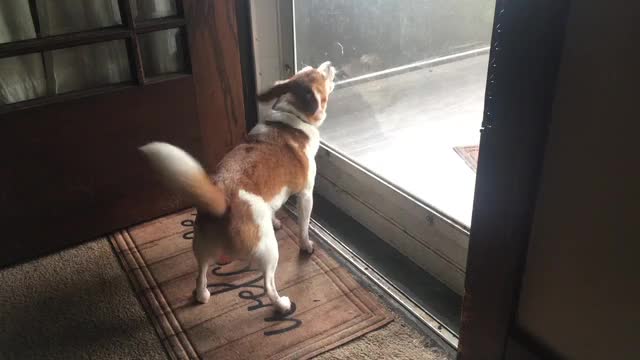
<point x="305" y="204"/>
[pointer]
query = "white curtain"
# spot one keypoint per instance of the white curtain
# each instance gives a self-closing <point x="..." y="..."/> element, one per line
<point x="63" y="70"/>
<point x="21" y="78"/>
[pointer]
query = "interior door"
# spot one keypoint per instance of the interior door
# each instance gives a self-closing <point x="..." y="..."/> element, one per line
<point x="103" y="78"/>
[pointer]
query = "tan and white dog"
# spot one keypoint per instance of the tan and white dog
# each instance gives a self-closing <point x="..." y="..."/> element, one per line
<point x="236" y="210"/>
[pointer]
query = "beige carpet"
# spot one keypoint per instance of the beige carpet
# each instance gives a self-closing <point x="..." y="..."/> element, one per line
<point x="78" y="304"/>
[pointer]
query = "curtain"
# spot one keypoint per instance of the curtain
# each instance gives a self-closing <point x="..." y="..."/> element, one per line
<point x="22" y="77"/>
<point x="82" y="67"/>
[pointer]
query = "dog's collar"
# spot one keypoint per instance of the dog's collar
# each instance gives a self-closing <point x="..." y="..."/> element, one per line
<point x="284" y="107"/>
<point x="279" y="118"/>
<point x="278" y="124"/>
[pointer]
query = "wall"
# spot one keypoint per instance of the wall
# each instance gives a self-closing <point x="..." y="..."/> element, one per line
<point x="581" y="290"/>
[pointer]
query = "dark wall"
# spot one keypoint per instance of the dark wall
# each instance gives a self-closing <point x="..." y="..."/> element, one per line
<point x="581" y="288"/>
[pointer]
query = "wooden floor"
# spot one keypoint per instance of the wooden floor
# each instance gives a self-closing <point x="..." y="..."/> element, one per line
<point x="405" y="127"/>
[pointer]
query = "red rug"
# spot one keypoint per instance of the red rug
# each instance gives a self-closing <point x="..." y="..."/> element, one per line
<point x="469" y="154"/>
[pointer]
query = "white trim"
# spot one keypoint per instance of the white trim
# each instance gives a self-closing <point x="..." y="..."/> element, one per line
<point x="421" y="233"/>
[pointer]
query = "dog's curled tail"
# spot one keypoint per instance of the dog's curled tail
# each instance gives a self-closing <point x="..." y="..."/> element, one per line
<point x="183" y="174"/>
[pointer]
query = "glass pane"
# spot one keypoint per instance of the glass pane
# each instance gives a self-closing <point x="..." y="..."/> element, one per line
<point x="89" y="66"/>
<point x="362" y="36"/>
<point x="153" y="9"/>
<point x="16" y="22"/>
<point x="22" y="78"/>
<point x="162" y="52"/>
<point x="411" y="81"/>
<point x="67" y="16"/>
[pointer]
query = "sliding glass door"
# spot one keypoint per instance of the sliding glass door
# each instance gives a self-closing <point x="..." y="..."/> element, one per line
<point x="400" y="142"/>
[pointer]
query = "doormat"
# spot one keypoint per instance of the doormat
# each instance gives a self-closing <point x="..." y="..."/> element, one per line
<point x="239" y="322"/>
<point x="469" y="154"/>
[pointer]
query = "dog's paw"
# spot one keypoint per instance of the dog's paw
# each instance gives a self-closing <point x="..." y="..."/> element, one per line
<point x="202" y="295"/>
<point x="307" y="246"/>
<point x="283" y="304"/>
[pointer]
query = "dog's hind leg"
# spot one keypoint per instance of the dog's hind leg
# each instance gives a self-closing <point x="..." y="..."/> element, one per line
<point x="266" y="258"/>
<point x="265" y="253"/>
<point x="203" y="257"/>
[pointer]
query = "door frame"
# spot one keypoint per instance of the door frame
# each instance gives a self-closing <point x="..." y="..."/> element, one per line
<point x="525" y="53"/>
<point x="525" y="57"/>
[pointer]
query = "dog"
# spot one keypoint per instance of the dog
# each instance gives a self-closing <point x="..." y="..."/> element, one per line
<point x="236" y="207"/>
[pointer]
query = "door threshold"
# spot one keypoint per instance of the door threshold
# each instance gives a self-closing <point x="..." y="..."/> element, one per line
<point x="368" y="271"/>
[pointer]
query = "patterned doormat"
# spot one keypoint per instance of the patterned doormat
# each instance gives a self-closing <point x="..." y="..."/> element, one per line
<point x="239" y="322"/>
<point x="469" y="154"/>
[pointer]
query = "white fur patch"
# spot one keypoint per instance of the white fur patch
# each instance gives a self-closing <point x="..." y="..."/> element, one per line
<point x="261" y="210"/>
<point x="171" y="159"/>
<point x="262" y="214"/>
<point x="280" y="199"/>
<point x="266" y="252"/>
<point x="281" y="114"/>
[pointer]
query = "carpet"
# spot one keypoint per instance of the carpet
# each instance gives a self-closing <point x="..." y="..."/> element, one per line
<point x="75" y="304"/>
<point x="469" y="154"/>
<point x="238" y="322"/>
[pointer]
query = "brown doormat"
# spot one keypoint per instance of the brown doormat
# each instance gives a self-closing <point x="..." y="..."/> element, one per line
<point x="469" y="154"/>
<point x="238" y="322"/>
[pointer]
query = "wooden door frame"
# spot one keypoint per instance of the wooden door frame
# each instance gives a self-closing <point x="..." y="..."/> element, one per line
<point x="526" y="50"/>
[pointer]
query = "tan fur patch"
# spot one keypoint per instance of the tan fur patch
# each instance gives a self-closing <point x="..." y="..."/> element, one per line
<point x="317" y="83"/>
<point x="306" y="91"/>
<point x="265" y="164"/>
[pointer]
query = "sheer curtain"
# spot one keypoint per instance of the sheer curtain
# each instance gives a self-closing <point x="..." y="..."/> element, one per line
<point x="22" y="77"/>
<point x="53" y="72"/>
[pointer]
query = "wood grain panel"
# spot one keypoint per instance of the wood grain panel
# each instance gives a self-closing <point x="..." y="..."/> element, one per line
<point x="215" y="57"/>
<point x="71" y="168"/>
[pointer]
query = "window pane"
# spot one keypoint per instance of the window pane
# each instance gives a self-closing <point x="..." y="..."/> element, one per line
<point x="411" y="81"/>
<point x="21" y="78"/>
<point x="153" y="9"/>
<point x="15" y="21"/>
<point x="89" y="66"/>
<point x="67" y="16"/>
<point x="363" y="36"/>
<point x="162" y="52"/>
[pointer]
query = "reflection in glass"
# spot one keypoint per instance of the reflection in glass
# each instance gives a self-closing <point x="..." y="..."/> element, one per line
<point x="153" y="9"/>
<point x="364" y="36"/>
<point x="162" y="52"/>
<point x="411" y="81"/>
<point x="89" y="66"/>
<point x="22" y="78"/>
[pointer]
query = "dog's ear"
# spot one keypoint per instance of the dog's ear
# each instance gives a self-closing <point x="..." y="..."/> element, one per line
<point x="305" y="98"/>
<point x="280" y="88"/>
<point x="327" y="70"/>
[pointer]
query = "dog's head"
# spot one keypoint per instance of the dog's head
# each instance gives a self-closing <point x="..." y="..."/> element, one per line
<point x="307" y="92"/>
